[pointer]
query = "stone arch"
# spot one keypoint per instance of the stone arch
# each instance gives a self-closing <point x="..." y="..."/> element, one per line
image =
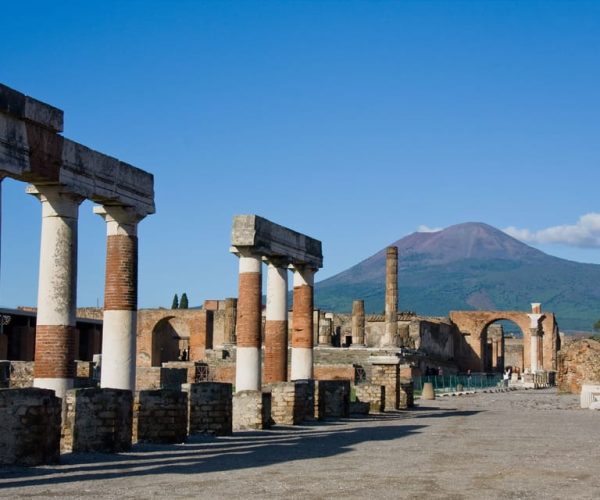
<point x="473" y="324"/>
<point x="494" y="349"/>
<point x="170" y="336"/>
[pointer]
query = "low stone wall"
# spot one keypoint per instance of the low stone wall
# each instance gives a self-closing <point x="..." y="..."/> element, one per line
<point x="210" y="408"/>
<point x="97" y="420"/>
<point x="197" y="371"/>
<point x="251" y="410"/>
<point x="407" y="399"/>
<point x="289" y="402"/>
<point x="30" y="426"/>
<point x="372" y="394"/>
<point x="160" y="416"/>
<point x="157" y="377"/>
<point x="332" y="399"/>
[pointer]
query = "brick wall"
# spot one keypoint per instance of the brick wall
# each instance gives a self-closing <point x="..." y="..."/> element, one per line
<point x="97" y="420"/>
<point x="30" y="422"/>
<point x="160" y="416"/>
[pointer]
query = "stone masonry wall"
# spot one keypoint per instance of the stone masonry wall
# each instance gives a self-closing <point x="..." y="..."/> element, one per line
<point x="97" y="420"/>
<point x="156" y="377"/>
<point x="289" y="402"/>
<point x="578" y="363"/>
<point x="332" y="398"/>
<point x="373" y="394"/>
<point x="30" y="422"/>
<point x="388" y="375"/>
<point x="251" y="410"/>
<point x="210" y="408"/>
<point x="160" y="416"/>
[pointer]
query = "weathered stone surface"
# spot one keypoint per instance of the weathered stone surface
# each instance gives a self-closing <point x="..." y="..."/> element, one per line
<point x="372" y="394"/>
<point x="407" y="399"/>
<point x="29" y="426"/>
<point x="290" y="401"/>
<point x="98" y="420"/>
<point x="160" y="416"/>
<point x="272" y="240"/>
<point x="578" y="363"/>
<point x="332" y="399"/>
<point x="156" y="377"/>
<point x="251" y="410"/>
<point x="386" y="371"/>
<point x="210" y="408"/>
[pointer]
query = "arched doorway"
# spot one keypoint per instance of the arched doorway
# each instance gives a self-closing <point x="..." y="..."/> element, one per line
<point x="502" y="346"/>
<point x="170" y="340"/>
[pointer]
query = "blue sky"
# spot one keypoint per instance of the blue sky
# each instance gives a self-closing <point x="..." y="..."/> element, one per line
<point x="354" y="122"/>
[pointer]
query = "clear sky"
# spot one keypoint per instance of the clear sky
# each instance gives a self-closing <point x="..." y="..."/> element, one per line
<point x="354" y="122"/>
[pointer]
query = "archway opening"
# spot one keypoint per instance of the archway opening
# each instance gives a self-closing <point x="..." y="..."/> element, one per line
<point x="502" y="346"/>
<point x="170" y="341"/>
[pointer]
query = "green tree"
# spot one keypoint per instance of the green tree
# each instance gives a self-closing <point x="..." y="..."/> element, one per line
<point x="175" y="304"/>
<point x="183" y="304"/>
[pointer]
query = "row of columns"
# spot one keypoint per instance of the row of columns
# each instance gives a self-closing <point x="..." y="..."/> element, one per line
<point x="57" y="293"/>
<point x="249" y="321"/>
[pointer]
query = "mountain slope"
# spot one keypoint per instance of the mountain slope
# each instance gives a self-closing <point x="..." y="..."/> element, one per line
<point x="470" y="266"/>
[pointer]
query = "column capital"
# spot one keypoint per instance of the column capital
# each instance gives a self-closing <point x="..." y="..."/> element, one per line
<point x="279" y="262"/>
<point x="56" y="200"/>
<point x="303" y="275"/>
<point x="120" y="220"/>
<point x="534" y="320"/>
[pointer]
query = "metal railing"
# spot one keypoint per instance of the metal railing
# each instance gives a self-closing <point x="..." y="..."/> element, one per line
<point x="452" y="383"/>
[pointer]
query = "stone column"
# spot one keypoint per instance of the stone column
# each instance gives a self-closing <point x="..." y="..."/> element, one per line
<point x="494" y="355"/>
<point x="229" y="326"/>
<point x="248" y="324"/>
<point x="325" y="331"/>
<point x="120" y="297"/>
<point x="534" y="327"/>
<point x="358" y="323"/>
<point x="391" y="296"/>
<point x="57" y="290"/>
<point x="302" y="324"/>
<point x="276" y="326"/>
<point x="533" y="351"/>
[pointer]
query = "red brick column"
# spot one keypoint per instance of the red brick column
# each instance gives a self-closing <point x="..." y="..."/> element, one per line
<point x="57" y="292"/>
<point x="120" y="298"/>
<point x="302" y="324"/>
<point x="248" y="324"/>
<point x="276" y="326"/>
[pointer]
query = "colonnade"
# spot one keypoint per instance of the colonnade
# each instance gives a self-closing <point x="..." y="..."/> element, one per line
<point x="56" y="329"/>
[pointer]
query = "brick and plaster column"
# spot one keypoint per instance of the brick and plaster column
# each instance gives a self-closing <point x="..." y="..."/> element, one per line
<point x="391" y="296"/>
<point x="57" y="290"/>
<point x="276" y="326"/>
<point x="249" y="310"/>
<point x="230" y="314"/>
<point x="358" y="323"/>
<point x="302" y="324"/>
<point x="120" y="298"/>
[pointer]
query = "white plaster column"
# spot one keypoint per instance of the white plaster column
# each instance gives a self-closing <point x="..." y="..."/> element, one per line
<point x="276" y="326"/>
<point x="534" y="327"/>
<point x="57" y="289"/>
<point x="120" y="297"/>
<point x="248" y="324"/>
<point x="533" y="350"/>
<point x="302" y="324"/>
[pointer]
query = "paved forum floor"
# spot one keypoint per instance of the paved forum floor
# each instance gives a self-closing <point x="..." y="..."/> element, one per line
<point x="524" y="444"/>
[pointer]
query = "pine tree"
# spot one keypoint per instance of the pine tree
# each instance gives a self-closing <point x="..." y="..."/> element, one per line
<point x="175" y="304"/>
<point x="184" y="301"/>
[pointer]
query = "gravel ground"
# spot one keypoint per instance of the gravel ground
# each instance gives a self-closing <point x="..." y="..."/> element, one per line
<point x="522" y="444"/>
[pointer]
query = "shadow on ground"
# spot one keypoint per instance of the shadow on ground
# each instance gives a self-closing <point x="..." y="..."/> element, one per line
<point x="202" y="454"/>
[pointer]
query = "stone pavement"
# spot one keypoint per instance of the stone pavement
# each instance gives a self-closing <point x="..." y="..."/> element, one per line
<point x="521" y="444"/>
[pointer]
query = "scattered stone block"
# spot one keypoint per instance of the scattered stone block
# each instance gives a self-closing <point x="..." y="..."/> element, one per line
<point x="30" y="423"/>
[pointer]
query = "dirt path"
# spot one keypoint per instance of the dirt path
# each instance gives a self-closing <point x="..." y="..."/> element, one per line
<point x="524" y="444"/>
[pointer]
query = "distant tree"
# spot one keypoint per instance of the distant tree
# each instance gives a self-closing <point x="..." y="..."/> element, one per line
<point x="183" y="304"/>
<point x="175" y="304"/>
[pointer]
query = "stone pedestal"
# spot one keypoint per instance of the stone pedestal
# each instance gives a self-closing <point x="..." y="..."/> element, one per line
<point x="373" y="394"/>
<point x="98" y="420"/>
<point x="160" y="417"/>
<point x="251" y="410"/>
<point x="210" y="408"/>
<point x="332" y="398"/>
<point x="386" y="372"/>
<point x="289" y="401"/>
<point x="30" y="421"/>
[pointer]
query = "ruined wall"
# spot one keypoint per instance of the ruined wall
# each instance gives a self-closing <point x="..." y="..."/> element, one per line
<point x="210" y="408"/>
<point x="513" y="353"/>
<point x="155" y="377"/>
<point x="160" y="416"/>
<point x="578" y="363"/>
